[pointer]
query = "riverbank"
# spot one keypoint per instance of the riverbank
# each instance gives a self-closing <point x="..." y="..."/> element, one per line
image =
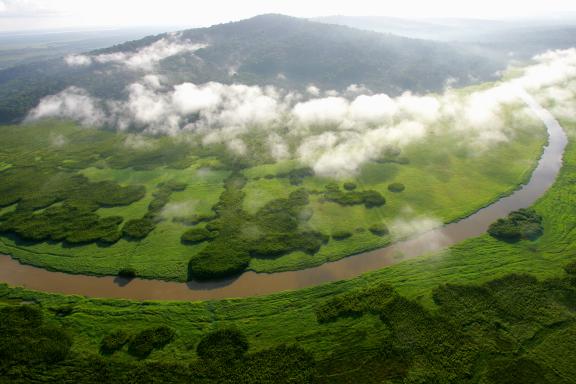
<point x="253" y="284"/>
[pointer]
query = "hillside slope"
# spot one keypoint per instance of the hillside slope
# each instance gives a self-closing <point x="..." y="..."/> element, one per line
<point x="275" y="50"/>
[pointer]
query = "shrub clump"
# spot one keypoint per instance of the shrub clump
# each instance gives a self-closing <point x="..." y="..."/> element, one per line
<point x="571" y="268"/>
<point x="379" y="229"/>
<point x="296" y="176"/>
<point x="68" y="201"/>
<point x="24" y="338"/>
<point x="221" y="258"/>
<point x="356" y="303"/>
<point x="73" y="224"/>
<point x="521" y="224"/>
<point x="350" y="186"/>
<point x="138" y="228"/>
<point x="396" y="187"/>
<point x="278" y="244"/>
<point x="276" y="232"/>
<point x="149" y="339"/>
<point x="223" y="344"/>
<point x="114" y="342"/>
<point x="341" y="235"/>
<point x="198" y="235"/>
<point x="369" y="198"/>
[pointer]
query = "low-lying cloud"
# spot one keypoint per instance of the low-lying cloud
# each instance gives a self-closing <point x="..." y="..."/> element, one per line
<point x="180" y="209"/>
<point x="334" y="135"/>
<point x="144" y="59"/>
<point x="423" y="234"/>
<point x="72" y="103"/>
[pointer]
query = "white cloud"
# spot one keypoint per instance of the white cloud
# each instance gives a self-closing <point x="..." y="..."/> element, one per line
<point x="78" y="60"/>
<point x="21" y="8"/>
<point x="333" y="135"/>
<point x="179" y="209"/>
<point x="422" y="234"/>
<point x="277" y="147"/>
<point x="374" y="109"/>
<point x="58" y="141"/>
<point x="329" y="110"/>
<point x="237" y="146"/>
<point x="409" y="225"/>
<point x="424" y="108"/>
<point x="189" y="98"/>
<point x="342" y="154"/>
<point x="313" y="90"/>
<point x="72" y="103"/>
<point x="138" y="142"/>
<point x="144" y="59"/>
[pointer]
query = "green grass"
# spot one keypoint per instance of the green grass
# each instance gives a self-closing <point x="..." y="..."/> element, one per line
<point x="202" y="191"/>
<point x="4" y="166"/>
<point x="290" y="317"/>
<point x="262" y="191"/>
<point x="443" y="181"/>
<point x="287" y="317"/>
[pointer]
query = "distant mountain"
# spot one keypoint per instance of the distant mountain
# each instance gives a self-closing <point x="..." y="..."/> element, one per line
<point x="500" y="40"/>
<point x="275" y="50"/>
<point x="429" y="29"/>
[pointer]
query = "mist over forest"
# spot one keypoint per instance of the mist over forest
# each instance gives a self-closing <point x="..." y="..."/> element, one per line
<point x="325" y="198"/>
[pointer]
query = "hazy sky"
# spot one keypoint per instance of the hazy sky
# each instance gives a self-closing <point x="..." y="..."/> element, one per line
<point x="39" y="14"/>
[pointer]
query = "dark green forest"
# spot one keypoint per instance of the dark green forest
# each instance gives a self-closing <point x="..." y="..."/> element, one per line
<point x="502" y="331"/>
<point x="304" y="52"/>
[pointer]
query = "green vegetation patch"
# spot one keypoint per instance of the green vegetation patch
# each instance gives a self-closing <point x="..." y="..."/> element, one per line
<point x="473" y="333"/>
<point x="224" y="344"/>
<point x="369" y="199"/>
<point x="198" y="235"/>
<point x="498" y="322"/>
<point x="35" y="188"/>
<point x="60" y="206"/>
<point x="379" y="229"/>
<point x="4" y="166"/>
<point x="136" y="229"/>
<point x="350" y="186"/>
<point x="114" y="341"/>
<point x="296" y="176"/>
<point x="521" y="224"/>
<point x="25" y="339"/>
<point x="465" y="316"/>
<point x="355" y="303"/>
<point x="53" y="157"/>
<point x="62" y="223"/>
<point x="341" y="235"/>
<point x="396" y="187"/>
<point x="32" y="351"/>
<point x="142" y="344"/>
<point x="234" y="236"/>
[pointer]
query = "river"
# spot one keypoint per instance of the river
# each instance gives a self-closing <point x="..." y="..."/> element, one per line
<point x="253" y="284"/>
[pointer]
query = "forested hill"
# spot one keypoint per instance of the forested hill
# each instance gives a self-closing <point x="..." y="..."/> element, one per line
<point x="265" y="50"/>
<point x="501" y="40"/>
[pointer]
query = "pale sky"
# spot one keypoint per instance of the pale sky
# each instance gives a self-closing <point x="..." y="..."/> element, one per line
<point x="61" y="14"/>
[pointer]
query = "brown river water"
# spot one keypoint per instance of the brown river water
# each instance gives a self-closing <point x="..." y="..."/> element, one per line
<point x="254" y="284"/>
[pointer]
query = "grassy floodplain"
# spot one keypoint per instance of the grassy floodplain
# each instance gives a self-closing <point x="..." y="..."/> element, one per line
<point x="456" y="316"/>
<point x="442" y="180"/>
